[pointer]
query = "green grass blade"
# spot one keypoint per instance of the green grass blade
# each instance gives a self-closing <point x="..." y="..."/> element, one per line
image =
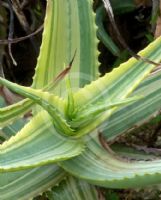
<point x="100" y="167"/>
<point x="26" y="184"/>
<point x="38" y="143"/>
<point x="73" y="189"/>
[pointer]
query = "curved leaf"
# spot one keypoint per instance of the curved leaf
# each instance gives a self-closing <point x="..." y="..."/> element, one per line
<point x="11" y="113"/>
<point x="38" y="143"/>
<point x="102" y="34"/>
<point x="38" y="96"/>
<point x="137" y="112"/>
<point x="53" y="104"/>
<point x="73" y="189"/>
<point x="122" y="80"/>
<point x="100" y="167"/>
<point x="90" y="112"/>
<point x="26" y="184"/>
<point x="117" y="85"/>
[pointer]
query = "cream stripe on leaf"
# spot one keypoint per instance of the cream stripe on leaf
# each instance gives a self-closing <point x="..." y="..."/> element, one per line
<point x="69" y="27"/>
<point x="26" y="184"/>
<point x="38" y="143"/>
<point x="97" y="166"/>
<point x="48" y="101"/>
<point x="10" y="113"/>
<point x="122" y="80"/>
<point x="73" y="189"/>
<point x="137" y="112"/>
<point x="116" y="85"/>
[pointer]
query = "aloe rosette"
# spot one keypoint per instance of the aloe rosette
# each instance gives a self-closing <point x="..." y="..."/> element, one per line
<point x="62" y="136"/>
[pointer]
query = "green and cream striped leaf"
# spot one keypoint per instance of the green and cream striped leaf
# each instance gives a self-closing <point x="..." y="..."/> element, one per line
<point x="137" y="153"/>
<point x="26" y="184"/>
<point x="10" y="113"/>
<point x="137" y="112"/>
<point x="38" y="96"/>
<point x="38" y="143"/>
<point x="89" y="113"/>
<point x="51" y="103"/>
<point x="95" y="109"/>
<point x="122" y="80"/>
<point x="97" y="166"/>
<point x="69" y="27"/>
<point x="11" y="129"/>
<point x="73" y="189"/>
<point x="117" y="85"/>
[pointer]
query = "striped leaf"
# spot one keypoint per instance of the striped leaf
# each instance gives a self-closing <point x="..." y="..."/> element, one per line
<point x="99" y="167"/>
<point x="122" y="80"/>
<point x="118" y="84"/>
<point x="38" y="96"/>
<point x="71" y="24"/>
<point x="137" y="112"/>
<point x="10" y="113"/>
<point x="73" y="189"/>
<point x="11" y="130"/>
<point x="90" y="112"/>
<point x="49" y="102"/>
<point x="112" y="87"/>
<point x="38" y="143"/>
<point x="135" y="153"/>
<point x="70" y="36"/>
<point x="26" y="184"/>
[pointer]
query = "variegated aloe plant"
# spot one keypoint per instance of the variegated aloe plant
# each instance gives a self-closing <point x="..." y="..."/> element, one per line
<point x="60" y="142"/>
